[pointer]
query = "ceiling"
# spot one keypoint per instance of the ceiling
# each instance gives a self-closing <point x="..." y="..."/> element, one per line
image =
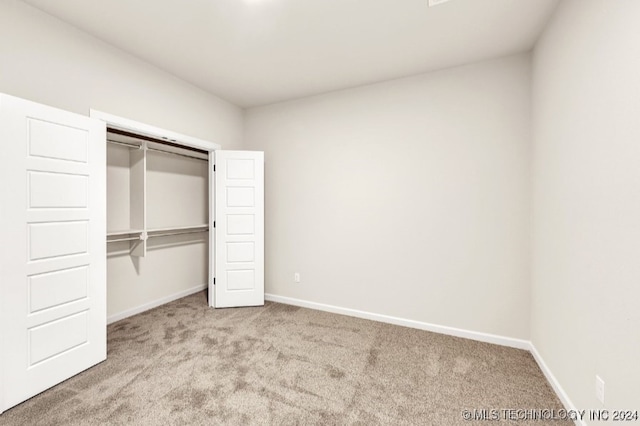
<point x="255" y="52"/>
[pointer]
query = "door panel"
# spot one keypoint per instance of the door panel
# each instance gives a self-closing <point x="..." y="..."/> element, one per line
<point x="43" y="191"/>
<point x="239" y="236"/>
<point x="57" y="337"/>
<point x="57" y="141"/>
<point x="57" y="239"/>
<point x="53" y="256"/>
<point x="57" y="288"/>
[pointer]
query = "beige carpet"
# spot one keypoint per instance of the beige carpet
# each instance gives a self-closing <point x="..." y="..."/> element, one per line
<point x="184" y="363"/>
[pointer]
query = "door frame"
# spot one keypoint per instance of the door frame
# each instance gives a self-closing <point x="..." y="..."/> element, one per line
<point x="144" y="129"/>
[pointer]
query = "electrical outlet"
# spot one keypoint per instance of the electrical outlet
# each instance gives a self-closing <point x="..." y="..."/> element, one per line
<point x="600" y="389"/>
<point x="296" y="277"/>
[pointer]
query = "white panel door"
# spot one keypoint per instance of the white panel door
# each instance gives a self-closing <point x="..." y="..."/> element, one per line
<point x="53" y="251"/>
<point x="239" y="231"/>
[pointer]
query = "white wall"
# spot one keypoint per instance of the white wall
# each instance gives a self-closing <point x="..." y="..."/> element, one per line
<point x="586" y="246"/>
<point x="409" y="198"/>
<point x="45" y="60"/>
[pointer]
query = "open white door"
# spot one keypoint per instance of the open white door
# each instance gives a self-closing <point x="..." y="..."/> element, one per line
<point x="239" y="231"/>
<point x="53" y="260"/>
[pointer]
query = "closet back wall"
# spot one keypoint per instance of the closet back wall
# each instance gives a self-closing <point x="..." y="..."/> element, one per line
<point x="408" y="198"/>
<point x="45" y="60"/>
<point x="177" y="196"/>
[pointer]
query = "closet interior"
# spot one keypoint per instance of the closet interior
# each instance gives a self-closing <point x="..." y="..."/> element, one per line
<point x="157" y="220"/>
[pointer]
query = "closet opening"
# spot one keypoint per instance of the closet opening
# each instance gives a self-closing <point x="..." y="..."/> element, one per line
<point x="157" y="221"/>
<point x="183" y="216"/>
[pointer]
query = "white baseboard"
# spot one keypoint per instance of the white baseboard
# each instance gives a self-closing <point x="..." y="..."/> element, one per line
<point x="442" y="329"/>
<point x="155" y="303"/>
<point x="564" y="398"/>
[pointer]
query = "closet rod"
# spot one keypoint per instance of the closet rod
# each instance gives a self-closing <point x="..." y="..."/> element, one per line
<point x="166" y="234"/>
<point x="130" y="145"/>
<point x="176" y="153"/>
<point x="124" y="239"/>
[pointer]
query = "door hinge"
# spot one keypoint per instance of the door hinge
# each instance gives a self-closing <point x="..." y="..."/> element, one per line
<point x="214" y="167"/>
<point x="214" y="223"/>
<point x="214" y="281"/>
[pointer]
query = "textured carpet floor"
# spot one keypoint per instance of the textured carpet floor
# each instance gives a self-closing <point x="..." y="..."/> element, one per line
<point x="184" y="363"/>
